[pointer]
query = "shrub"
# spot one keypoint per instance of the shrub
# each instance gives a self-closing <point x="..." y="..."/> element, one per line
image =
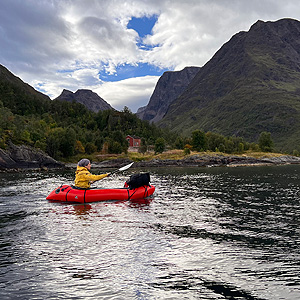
<point x="186" y="151"/>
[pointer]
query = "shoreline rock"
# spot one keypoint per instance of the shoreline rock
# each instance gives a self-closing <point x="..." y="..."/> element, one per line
<point x="21" y="158"/>
<point x="17" y="158"/>
<point x="201" y="161"/>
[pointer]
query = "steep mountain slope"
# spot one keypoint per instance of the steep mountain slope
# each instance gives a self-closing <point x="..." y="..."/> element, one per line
<point x="88" y="98"/>
<point x="19" y="96"/>
<point x="252" y="84"/>
<point x="169" y="87"/>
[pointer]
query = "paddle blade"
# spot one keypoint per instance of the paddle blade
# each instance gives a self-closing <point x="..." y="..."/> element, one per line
<point x="126" y="167"/>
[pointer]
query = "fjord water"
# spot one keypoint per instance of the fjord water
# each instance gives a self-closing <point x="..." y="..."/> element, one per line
<point x="208" y="233"/>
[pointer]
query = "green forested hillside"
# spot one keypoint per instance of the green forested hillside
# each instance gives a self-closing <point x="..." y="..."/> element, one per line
<point x="63" y="129"/>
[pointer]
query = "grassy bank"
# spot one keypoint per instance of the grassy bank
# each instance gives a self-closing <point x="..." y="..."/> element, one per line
<point x="171" y="154"/>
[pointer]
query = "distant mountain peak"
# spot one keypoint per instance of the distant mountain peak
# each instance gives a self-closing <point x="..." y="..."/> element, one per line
<point x="88" y="98"/>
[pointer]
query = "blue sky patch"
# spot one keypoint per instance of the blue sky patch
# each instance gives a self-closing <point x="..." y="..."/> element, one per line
<point x="143" y="26"/>
<point x="128" y="71"/>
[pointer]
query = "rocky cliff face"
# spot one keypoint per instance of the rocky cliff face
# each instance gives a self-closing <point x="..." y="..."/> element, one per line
<point x="169" y="87"/>
<point x="250" y="85"/>
<point x="88" y="98"/>
<point x="24" y="157"/>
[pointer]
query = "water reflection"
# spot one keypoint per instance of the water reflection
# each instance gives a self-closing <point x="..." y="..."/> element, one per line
<point x="94" y="208"/>
<point x="210" y="233"/>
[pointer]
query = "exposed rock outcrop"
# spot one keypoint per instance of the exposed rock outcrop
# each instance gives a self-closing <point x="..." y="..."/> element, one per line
<point x="217" y="161"/>
<point x="88" y="98"/>
<point x="25" y="157"/>
<point x="200" y="161"/>
<point x="169" y="87"/>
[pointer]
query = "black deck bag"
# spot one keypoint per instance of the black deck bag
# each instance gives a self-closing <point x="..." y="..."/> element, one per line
<point x="137" y="180"/>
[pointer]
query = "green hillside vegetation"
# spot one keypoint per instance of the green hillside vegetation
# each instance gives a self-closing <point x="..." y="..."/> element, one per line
<point x="67" y="130"/>
<point x="251" y="85"/>
<point x="64" y="129"/>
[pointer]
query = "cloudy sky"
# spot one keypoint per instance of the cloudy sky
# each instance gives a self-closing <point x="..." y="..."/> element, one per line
<point x="120" y="48"/>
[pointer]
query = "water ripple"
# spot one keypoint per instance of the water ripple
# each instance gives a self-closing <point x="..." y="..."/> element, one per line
<point x="214" y="233"/>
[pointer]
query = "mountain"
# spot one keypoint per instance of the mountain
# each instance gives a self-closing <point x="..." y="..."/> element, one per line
<point x="251" y="84"/>
<point x="88" y="98"/>
<point x="169" y="87"/>
<point x="19" y="96"/>
<point x="22" y="98"/>
<point x="9" y="78"/>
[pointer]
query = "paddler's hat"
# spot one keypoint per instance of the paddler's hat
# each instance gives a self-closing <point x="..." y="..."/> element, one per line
<point x="83" y="162"/>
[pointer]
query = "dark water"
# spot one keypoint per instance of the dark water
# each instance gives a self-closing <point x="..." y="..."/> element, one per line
<point x="209" y="233"/>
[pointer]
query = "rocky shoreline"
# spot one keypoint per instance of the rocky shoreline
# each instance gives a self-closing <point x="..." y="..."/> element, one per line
<point x="200" y="161"/>
<point x="18" y="158"/>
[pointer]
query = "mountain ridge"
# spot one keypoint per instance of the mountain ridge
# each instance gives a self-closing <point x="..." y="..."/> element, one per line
<point x="250" y="85"/>
<point x="6" y="75"/>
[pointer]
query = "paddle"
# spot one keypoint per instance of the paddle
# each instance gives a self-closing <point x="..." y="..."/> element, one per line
<point x="122" y="169"/>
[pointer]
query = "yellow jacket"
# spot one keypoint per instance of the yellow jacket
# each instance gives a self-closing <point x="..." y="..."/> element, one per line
<point x="84" y="178"/>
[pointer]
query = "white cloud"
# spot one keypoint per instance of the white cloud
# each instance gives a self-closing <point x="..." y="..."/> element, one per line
<point x="190" y="32"/>
<point x="132" y="92"/>
<point x="64" y="44"/>
<point x="70" y="80"/>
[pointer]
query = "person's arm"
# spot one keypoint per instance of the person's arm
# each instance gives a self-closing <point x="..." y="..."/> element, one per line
<point x="92" y="178"/>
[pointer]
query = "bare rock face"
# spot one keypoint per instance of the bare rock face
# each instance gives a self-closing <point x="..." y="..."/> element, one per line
<point x="168" y="88"/>
<point x="24" y="157"/>
<point x="249" y="86"/>
<point x="88" y="98"/>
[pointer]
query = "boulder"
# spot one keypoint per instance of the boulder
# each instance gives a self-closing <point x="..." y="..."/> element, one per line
<point x="25" y="157"/>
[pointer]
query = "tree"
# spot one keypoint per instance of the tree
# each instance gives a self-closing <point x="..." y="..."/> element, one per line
<point x="241" y="148"/>
<point x="143" y="147"/>
<point x="41" y="144"/>
<point x="229" y="145"/>
<point x="79" y="147"/>
<point x="114" y="147"/>
<point x="186" y="151"/>
<point x="214" y="140"/>
<point x="179" y="143"/>
<point x="199" y="140"/>
<point x="160" y="145"/>
<point x="67" y="142"/>
<point x="53" y="142"/>
<point x="265" y="142"/>
<point x="119" y="137"/>
<point x="222" y="148"/>
<point x="90" y="148"/>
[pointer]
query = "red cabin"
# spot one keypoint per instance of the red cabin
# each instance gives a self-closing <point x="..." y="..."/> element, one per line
<point x="133" y="141"/>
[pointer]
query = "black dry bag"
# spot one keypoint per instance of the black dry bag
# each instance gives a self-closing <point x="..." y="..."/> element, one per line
<point x="137" y="180"/>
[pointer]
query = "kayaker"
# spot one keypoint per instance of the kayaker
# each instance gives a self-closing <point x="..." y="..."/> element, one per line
<point x="83" y="178"/>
